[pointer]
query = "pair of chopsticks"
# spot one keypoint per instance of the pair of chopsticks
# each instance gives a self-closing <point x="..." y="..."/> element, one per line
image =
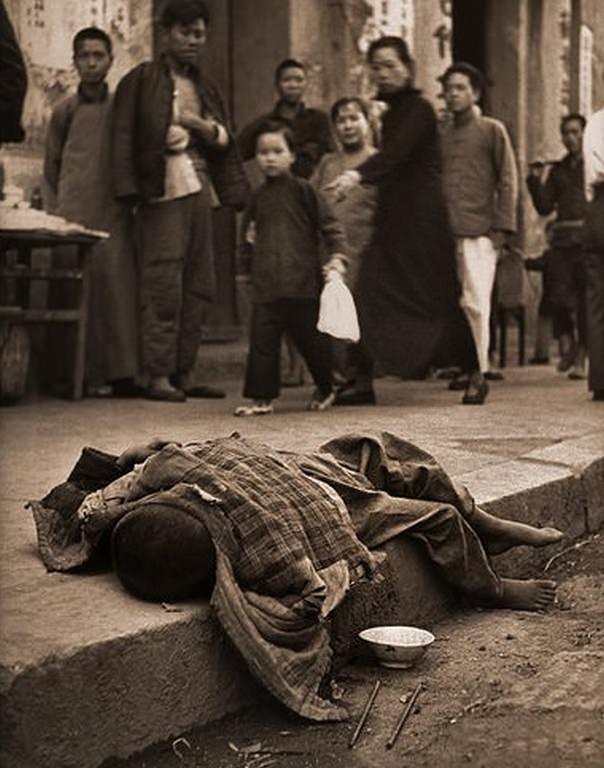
<point x="399" y="725"/>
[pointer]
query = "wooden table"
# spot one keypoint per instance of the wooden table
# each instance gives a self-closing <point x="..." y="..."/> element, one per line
<point x="23" y="272"/>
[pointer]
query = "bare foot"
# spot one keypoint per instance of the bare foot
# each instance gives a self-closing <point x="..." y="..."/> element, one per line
<point x="505" y="534"/>
<point x="529" y="595"/>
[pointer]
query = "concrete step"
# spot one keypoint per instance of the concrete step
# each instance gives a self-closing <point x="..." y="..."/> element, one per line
<point x="115" y="674"/>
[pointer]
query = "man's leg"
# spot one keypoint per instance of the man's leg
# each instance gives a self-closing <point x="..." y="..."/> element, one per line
<point x="163" y="239"/>
<point x="499" y="534"/>
<point x="455" y="547"/>
<point x="594" y="247"/>
<point x="476" y="263"/>
<point x="198" y="287"/>
<point x="580" y="291"/>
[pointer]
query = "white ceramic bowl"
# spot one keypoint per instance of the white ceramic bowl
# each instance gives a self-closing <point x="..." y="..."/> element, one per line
<point x="396" y="646"/>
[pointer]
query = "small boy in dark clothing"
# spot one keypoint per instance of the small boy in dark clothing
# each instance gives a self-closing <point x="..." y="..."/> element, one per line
<point x="290" y="220"/>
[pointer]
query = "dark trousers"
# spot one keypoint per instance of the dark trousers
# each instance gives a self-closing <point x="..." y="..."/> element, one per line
<point x="594" y="245"/>
<point x="297" y="317"/>
<point x="566" y="288"/>
<point x="177" y="279"/>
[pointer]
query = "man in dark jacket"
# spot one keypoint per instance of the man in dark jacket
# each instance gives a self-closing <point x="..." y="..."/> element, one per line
<point x="174" y="158"/>
<point x="562" y="191"/>
<point x="310" y="127"/>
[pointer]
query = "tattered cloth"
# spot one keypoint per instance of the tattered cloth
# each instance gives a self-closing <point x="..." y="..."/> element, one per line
<point x="288" y="531"/>
<point x="286" y="554"/>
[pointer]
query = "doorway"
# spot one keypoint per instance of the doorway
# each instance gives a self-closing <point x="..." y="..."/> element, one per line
<point x="470" y="34"/>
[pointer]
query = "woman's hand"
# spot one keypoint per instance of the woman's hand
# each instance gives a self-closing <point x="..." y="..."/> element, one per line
<point x="136" y="454"/>
<point x="337" y="263"/>
<point x="342" y="185"/>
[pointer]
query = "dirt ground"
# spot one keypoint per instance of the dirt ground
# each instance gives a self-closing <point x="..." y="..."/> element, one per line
<point x="501" y="689"/>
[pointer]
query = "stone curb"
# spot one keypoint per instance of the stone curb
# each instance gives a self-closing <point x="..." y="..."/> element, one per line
<point x="117" y="697"/>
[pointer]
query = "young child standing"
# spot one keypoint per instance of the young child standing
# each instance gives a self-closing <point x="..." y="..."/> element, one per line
<point x="290" y="220"/>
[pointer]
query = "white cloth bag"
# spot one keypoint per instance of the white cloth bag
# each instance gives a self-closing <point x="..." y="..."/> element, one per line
<point x="337" y="313"/>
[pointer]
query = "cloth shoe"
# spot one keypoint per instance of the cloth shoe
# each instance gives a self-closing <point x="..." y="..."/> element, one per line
<point x="102" y="391"/>
<point x="167" y="395"/>
<point x="577" y="373"/>
<point x="355" y="397"/>
<point x="204" y="390"/>
<point x="255" y="409"/>
<point x="477" y="391"/>
<point x="321" y="402"/>
<point x="459" y="383"/>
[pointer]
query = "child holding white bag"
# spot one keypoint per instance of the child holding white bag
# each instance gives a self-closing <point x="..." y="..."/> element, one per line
<point x="290" y="220"/>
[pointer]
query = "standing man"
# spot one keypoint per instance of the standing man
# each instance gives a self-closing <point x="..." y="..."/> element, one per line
<point x="593" y="153"/>
<point x="310" y="127"/>
<point x="481" y="189"/>
<point x="563" y="191"/>
<point x="174" y="158"/>
<point x="78" y="186"/>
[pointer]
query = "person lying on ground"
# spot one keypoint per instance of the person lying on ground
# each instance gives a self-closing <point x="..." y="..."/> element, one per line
<point x="277" y="538"/>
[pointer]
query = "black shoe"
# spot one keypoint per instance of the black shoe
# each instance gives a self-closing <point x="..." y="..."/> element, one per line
<point x="598" y="394"/>
<point x="167" y="395"/>
<point x="459" y="383"/>
<point x="477" y="391"/>
<point x="537" y="360"/>
<point x="447" y="374"/>
<point x="494" y="376"/>
<point x="126" y="388"/>
<point x="355" y="397"/>
<point x="203" y="390"/>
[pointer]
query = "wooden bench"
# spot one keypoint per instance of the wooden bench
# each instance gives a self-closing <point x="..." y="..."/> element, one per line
<point x="18" y="272"/>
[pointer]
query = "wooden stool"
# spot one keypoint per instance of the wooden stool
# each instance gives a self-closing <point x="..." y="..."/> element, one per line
<point x="20" y="273"/>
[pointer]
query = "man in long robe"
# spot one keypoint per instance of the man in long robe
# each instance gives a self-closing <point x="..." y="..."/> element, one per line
<point x="78" y="185"/>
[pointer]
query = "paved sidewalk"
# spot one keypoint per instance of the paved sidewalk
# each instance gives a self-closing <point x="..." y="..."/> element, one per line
<point x="80" y="659"/>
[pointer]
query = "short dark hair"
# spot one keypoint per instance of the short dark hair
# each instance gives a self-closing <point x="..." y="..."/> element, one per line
<point x="184" y="12"/>
<point x="275" y="126"/>
<point x="391" y="41"/>
<point x="287" y="64"/>
<point x="572" y="117"/>
<point x="474" y="75"/>
<point x="344" y="102"/>
<point x="92" y="33"/>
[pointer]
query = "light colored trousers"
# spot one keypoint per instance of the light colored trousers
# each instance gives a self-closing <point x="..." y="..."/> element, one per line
<point x="476" y="264"/>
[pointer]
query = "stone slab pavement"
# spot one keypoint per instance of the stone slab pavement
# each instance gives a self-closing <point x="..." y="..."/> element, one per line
<point x="87" y="672"/>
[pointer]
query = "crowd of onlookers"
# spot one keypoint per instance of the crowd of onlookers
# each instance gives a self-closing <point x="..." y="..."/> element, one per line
<point x="413" y="212"/>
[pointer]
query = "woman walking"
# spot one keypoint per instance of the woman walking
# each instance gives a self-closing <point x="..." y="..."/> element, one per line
<point x="408" y="297"/>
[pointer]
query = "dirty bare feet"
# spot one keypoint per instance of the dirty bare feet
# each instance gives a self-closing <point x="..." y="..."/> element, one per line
<point x="500" y="535"/>
<point x="529" y="595"/>
<point x="516" y="534"/>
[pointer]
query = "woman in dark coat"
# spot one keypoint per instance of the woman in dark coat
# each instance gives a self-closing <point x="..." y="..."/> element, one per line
<point x="408" y="298"/>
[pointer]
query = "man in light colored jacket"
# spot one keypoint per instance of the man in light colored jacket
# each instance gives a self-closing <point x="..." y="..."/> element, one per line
<point x="481" y="190"/>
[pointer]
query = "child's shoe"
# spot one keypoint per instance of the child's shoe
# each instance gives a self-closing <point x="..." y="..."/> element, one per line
<point x="321" y="402"/>
<point x="255" y="409"/>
